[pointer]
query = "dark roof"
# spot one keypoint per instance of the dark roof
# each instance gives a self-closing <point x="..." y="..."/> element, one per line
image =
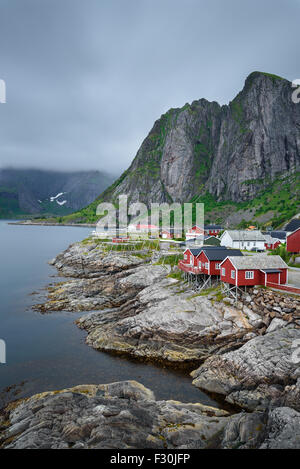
<point x="213" y="227"/>
<point x="293" y="225"/>
<point x="212" y="240"/>
<point x="214" y="247"/>
<point x="220" y="254"/>
<point x="271" y="271"/>
<point x="278" y="234"/>
<point x="195" y="252"/>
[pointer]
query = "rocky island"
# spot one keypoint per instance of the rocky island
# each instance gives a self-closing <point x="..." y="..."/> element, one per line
<point x="137" y="304"/>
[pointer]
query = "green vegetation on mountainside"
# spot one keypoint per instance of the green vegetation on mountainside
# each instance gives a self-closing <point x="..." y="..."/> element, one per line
<point x="275" y="205"/>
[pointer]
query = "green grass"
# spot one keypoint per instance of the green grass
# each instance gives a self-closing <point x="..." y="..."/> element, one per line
<point x="171" y="260"/>
<point x="205" y="292"/>
<point x="176" y="275"/>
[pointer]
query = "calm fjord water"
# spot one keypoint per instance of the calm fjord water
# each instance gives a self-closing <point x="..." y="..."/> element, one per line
<point x="48" y="351"/>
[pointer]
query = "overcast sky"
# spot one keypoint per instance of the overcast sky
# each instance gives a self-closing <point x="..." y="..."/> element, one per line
<point x="86" y="79"/>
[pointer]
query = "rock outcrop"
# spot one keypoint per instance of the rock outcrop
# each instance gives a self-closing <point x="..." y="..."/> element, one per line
<point x="125" y="415"/>
<point x="263" y="373"/>
<point x="231" y="151"/>
<point x="137" y="309"/>
<point x="249" y="353"/>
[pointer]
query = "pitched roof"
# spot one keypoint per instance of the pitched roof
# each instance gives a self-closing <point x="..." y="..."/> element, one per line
<point x="271" y="271"/>
<point x="293" y="225"/>
<point x="239" y="235"/>
<point x="195" y="252"/>
<point x="260" y="261"/>
<point x="297" y="229"/>
<point x="211" y="240"/>
<point x="221" y="254"/>
<point x="278" y="234"/>
<point x="270" y="239"/>
<point x="212" y="227"/>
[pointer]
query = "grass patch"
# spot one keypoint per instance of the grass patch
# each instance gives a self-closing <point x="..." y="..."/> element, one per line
<point x="171" y="260"/>
<point x="176" y="275"/>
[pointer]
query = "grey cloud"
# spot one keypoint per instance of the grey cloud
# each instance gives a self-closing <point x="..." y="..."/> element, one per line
<point x="87" y="79"/>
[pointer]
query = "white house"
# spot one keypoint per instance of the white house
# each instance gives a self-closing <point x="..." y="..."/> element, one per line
<point x="239" y="239"/>
<point x="194" y="232"/>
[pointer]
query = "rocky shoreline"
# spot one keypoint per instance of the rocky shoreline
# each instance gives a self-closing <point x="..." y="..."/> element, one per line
<point x="139" y="306"/>
<point x="125" y="415"/>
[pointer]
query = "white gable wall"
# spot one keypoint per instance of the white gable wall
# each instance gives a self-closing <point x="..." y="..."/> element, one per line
<point x="227" y="241"/>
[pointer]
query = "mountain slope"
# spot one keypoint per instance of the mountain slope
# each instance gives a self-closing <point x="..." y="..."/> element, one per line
<point x="40" y="192"/>
<point x="211" y="153"/>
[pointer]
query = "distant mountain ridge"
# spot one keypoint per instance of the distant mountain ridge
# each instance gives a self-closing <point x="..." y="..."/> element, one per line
<point x="45" y="193"/>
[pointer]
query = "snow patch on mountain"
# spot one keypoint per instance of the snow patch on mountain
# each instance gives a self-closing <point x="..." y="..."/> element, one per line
<point x="56" y="197"/>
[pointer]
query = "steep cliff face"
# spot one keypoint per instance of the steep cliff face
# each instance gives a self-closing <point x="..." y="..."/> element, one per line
<point x="230" y="151"/>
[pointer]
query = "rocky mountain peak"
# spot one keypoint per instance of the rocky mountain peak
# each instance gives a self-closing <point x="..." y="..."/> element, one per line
<point x="230" y="151"/>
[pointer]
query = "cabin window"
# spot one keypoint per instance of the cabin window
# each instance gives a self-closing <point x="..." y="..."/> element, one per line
<point x="223" y="271"/>
<point x="185" y="256"/>
<point x="217" y="266"/>
<point x="249" y="274"/>
<point x="206" y="265"/>
<point x="233" y="274"/>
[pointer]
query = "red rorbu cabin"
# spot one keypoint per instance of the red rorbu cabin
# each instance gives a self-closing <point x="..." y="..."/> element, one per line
<point x="293" y="242"/>
<point x="206" y="260"/>
<point x="253" y="270"/>
<point x="210" y="258"/>
<point x="190" y="257"/>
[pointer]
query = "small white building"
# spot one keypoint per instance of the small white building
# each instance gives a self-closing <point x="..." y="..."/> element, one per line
<point x="239" y="239"/>
<point x="194" y="232"/>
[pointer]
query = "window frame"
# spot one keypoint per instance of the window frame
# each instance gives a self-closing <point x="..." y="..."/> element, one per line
<point x="249" y="274"/>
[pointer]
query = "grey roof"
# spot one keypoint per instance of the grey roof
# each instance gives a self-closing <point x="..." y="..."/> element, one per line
<point x="239" y="235"/>
<point x="212" y="227"/>
<point x="195" y="252"/>
<point x="278" y="234"/>
<point x="215" y="247"/>
<point x="193" y="240"/>
<point x="220" y="254"/>
<point x="271" y="271"/>
<point x="270" y="239"/>
<point x="258" y="262"/>
<point x="293" y="225"/>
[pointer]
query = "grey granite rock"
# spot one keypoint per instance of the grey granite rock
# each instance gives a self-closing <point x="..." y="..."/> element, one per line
<point x="125" y="415"/>
<point x="262" y="373"/>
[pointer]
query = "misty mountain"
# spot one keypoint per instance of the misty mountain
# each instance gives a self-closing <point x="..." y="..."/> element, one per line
<point x="42" y="192"/>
